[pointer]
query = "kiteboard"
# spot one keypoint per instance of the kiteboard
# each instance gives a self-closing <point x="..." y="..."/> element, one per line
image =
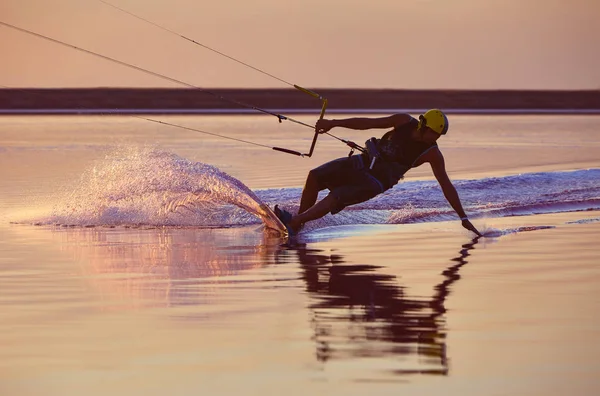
<point x="271" y="220"/>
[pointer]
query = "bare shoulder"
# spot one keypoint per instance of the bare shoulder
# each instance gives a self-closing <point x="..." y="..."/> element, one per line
<point x="399" y="119"/>
<point x="433" y="156"/>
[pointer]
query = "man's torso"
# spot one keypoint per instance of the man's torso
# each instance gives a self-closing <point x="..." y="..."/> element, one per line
<point x="399" y="152"/>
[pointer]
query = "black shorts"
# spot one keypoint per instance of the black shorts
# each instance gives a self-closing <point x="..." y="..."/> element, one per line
<point x="349" y="181"/>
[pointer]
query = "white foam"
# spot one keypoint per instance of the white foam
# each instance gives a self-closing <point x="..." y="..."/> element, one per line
<point x="135" y="185"/>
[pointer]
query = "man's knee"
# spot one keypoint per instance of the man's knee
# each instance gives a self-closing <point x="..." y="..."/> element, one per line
<point x="313" y="178"/>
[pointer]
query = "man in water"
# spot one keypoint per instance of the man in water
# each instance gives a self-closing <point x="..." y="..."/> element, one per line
<point x="360" y="177"/>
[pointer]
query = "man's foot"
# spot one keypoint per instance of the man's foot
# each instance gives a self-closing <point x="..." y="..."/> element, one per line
<point x="286" y="219"/>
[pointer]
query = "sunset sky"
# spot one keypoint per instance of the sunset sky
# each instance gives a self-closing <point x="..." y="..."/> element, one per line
<point x="463" y="44"/>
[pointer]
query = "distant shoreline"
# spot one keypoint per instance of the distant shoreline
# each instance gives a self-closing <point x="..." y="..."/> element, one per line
<point x="125" y="112"/>
<point x="291" y="101"/>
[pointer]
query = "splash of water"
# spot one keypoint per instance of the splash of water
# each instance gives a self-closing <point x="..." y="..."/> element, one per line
<point x="144" y="186"/>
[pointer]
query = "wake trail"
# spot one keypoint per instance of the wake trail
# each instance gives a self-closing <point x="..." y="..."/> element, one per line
<point x="135" y="186"/>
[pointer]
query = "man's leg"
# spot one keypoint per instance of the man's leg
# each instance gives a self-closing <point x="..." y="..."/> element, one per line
<point x="310" y="192"/>
<point x="314" y="212"/>
<point x="360" y="188"/>
<point x="331" y="175"/>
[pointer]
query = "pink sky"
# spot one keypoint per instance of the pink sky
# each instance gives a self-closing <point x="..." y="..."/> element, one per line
<point x="470" y="44"/>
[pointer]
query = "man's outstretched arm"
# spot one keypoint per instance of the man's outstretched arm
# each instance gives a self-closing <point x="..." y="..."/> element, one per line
<point x="361" y="123"/>
<point x="436" y="159"/>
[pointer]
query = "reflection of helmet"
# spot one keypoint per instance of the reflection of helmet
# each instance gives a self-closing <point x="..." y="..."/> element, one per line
<point x="434" y="119"/>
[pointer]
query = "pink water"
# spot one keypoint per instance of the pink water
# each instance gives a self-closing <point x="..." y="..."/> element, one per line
<point x="116" y="301"/>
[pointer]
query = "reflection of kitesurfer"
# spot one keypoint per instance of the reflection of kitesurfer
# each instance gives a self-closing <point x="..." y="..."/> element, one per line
<point x="347" y="299"/>
<point x="360" y="177"/>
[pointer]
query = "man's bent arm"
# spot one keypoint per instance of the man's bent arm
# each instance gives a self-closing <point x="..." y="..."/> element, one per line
<point x="361" y="123"/>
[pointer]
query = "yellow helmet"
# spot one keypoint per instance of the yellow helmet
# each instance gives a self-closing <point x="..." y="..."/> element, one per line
<point x="435" y="119"/>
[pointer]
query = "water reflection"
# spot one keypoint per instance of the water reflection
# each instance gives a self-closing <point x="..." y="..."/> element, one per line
<point x="360" y="313"/>
<point x="357" y="311"/>
<point x="163" y="267"/>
